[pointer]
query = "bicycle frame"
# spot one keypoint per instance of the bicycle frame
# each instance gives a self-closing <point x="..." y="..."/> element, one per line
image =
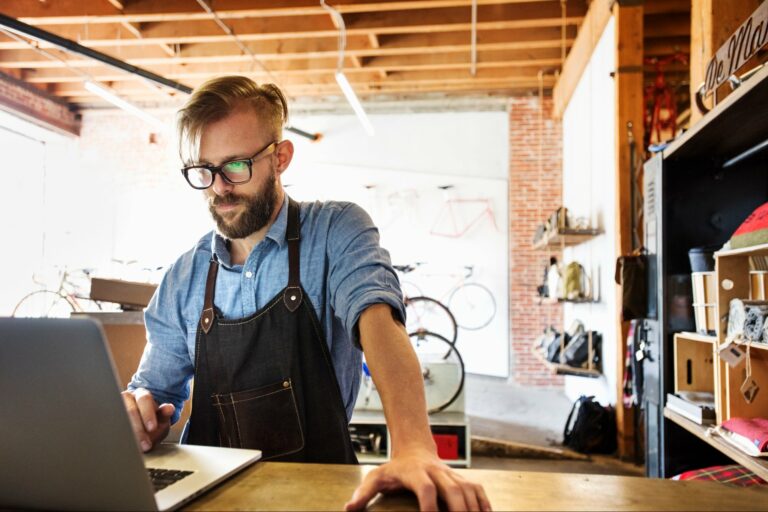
<point x="460" y="229"/>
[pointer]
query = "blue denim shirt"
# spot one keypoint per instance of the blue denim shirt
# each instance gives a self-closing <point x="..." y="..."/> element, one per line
<point x="343" y="270"/>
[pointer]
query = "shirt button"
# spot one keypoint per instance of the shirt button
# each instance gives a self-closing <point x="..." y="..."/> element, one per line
<point x="249" y="274"/>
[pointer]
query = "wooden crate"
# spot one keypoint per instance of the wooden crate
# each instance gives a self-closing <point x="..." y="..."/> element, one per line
<point x="694" y="357"/>
<point x="733" y="282"/>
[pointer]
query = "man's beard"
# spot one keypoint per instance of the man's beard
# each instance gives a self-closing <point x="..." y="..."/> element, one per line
<point x="257" y="213"/>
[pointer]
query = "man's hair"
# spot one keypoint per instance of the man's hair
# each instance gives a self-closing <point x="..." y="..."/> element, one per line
<point x="219" y="97"/>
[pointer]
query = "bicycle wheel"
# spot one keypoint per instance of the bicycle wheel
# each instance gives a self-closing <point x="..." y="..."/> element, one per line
<point x="441" y="367"/>
<point x="428" y="314"/>
<point x="473" y="306"/>
<point x="42" y="303"/>
<point x="410" y="289"/>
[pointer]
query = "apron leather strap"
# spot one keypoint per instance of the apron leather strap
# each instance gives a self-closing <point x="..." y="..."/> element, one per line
<point x="293" y="294"/>
<point x="206" y="319"/>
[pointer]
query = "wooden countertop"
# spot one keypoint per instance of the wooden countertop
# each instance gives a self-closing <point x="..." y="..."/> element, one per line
<point x="286" y="486"/>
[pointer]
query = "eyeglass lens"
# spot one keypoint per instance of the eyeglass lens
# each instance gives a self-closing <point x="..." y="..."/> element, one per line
<point x="234" y="172"/>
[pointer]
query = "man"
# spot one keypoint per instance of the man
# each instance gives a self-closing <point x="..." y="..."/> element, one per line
<point x="269" y="314"/>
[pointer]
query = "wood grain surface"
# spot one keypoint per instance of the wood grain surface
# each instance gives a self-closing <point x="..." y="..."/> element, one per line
<point x="284" y="486"/>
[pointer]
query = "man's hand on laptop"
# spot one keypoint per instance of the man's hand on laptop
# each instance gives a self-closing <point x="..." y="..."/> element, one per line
<point x="150" y="422"/>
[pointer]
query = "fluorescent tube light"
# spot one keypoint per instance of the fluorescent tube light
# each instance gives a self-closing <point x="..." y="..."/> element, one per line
<point x="116" y="100"/>
<point x="354" y="102"/>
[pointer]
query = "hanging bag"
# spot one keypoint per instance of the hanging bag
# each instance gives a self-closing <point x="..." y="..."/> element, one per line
<point x="632" y="276"/>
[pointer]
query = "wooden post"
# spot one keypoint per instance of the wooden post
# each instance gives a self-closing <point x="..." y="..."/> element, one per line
<point x="712" y="23"/>
<point x="629" y="109"/>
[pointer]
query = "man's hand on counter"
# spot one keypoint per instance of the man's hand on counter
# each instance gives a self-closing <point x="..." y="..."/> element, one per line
<point x="150" y="422"/>
<point x="428" y="477"/>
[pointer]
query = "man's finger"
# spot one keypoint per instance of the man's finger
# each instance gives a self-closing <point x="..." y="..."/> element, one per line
<point x="165" y="412"/>
<point x="450" y="490"/>
<point x="147" y="408"/>
<point x="136" y="422"/>
<point x="364" y="493"/>
<point x="469" y="489"/>
<point x="485" y="503"/>
<point x="426" y="493"/>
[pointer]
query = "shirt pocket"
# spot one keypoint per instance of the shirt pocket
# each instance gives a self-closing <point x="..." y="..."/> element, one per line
<point x="264" y="418"/>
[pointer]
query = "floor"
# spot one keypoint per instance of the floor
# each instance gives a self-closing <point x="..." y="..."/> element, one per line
<point x="531" y="421"/>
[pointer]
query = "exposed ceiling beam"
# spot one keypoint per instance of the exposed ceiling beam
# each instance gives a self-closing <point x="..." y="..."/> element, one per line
<point x="589" y="34"/>
<point x="64" y="12"/>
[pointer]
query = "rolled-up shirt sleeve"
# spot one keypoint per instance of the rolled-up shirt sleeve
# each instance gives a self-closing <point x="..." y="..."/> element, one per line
<point x="166" y="366"/>
<point x="361" y="272"/>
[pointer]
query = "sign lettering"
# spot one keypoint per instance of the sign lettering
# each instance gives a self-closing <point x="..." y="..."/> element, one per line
<point x="740" y="47"/>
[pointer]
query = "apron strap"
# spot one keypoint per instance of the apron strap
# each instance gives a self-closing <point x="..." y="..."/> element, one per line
<point x="293" y="294"/>
<point x="206" y="319"/>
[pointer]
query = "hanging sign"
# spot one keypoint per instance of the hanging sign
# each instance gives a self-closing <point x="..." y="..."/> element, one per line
<point x="740" y="47"/>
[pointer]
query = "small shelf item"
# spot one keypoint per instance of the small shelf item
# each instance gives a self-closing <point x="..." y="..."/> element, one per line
<point x="565" y="237"/>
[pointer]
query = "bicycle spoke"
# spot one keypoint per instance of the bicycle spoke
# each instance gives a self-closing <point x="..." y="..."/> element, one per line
<point x="473" y="306"/>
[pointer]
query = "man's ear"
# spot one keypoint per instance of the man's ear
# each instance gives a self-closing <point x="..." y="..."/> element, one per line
<point x="284" y="155"/>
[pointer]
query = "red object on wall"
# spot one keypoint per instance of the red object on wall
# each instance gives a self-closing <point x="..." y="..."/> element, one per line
<point x="447" y="446"/>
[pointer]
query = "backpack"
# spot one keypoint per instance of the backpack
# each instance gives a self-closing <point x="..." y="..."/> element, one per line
<point x="574" y="283"/>
<point x="576" y="352"/>
<point x="590" y="427"/>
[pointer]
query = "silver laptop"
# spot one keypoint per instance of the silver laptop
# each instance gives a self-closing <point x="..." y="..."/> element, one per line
<point x="65" y="439"/>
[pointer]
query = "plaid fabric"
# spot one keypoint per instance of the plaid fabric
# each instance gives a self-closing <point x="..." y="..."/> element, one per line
<point x="733" y="474"/>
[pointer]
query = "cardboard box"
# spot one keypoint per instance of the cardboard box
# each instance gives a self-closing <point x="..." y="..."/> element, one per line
<point x="125" y="293"/>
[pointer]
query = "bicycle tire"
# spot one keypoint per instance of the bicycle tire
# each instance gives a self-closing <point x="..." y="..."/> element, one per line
<point x="410" y="289"/>
<point x="425" y="314"/>
<point x="468" y="299"/>
<point x="43" y="304"/>
<point x="436" y="358"/>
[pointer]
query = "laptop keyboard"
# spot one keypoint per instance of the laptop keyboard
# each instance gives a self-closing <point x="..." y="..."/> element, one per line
<point x="162" y="478"/>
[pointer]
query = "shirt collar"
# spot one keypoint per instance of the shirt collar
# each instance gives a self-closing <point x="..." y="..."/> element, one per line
<point x="276" y="232"/>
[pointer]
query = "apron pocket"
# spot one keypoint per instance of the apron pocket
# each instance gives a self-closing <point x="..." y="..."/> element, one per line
<point x="264" y="418"/>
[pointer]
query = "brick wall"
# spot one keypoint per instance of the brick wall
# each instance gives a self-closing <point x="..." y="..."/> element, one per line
<point x="535" y="190"/>
<point x="37" y="106"/>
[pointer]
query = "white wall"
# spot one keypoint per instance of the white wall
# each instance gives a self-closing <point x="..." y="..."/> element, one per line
<point x="113" y="195"/>
<point x="395" y="175"/>
<point x="589" y="190"/>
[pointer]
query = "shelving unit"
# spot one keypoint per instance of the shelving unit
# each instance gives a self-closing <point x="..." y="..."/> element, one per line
<point x="452" y="423"/>
<point x="692" y="199"/>
<point x="560" y="239"/>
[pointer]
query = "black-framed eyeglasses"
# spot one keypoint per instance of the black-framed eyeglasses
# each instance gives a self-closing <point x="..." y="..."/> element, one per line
<point x="235" y="172"/>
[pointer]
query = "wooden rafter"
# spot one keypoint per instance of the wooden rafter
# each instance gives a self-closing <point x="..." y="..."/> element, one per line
<point x="391" y="45"/>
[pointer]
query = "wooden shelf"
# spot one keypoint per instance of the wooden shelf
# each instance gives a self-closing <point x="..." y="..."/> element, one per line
<point x="754" y="344"/>
<point x="552" y="300"/>
<point x="566" y="237"/>
<point x="697" y="336"/>
<point x="760" y="467"/>
<point x="564" y="369"/>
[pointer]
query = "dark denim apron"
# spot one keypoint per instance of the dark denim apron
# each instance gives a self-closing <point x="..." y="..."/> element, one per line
<point x="266" y="381"/>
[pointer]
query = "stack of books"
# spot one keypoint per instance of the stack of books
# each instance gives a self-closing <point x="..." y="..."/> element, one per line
<point x="697" y="406"/>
